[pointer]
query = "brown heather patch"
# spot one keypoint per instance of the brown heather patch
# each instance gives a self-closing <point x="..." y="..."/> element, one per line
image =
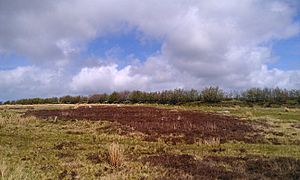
<point x="172" y="125"/>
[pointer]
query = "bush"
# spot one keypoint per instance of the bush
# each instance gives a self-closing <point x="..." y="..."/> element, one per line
<point x="114" y="98"/>
<point x="254" y="95"/>
<point x="266" y="97"/>
<point x="98" y="98"/>
<point x="212" y="95"/>
<point x="136" y="97"/>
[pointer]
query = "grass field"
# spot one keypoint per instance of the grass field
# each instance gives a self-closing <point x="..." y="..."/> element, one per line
<point x="56" y="148"/>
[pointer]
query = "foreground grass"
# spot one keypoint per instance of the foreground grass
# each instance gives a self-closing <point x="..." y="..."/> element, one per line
<point x="55" y="149"/>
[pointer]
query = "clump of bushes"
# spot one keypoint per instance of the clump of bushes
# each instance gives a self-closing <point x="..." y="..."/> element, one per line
<point x="266" y="97"/>
<point x="269" y="96"/>
<point x="212" y="95"/>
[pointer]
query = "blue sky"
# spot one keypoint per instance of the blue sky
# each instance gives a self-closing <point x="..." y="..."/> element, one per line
<point x="118" y="46"/>
<point x="122" y="45"/>
<point x="288" y="53"/>
<point x="56" y="48"/>
<point x="12" y="60"/>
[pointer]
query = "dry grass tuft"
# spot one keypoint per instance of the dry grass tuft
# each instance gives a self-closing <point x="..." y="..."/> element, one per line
<point x="10" y="173"/>
<point x="212" y="141"/>
<point x="7" y="118"/>
<point x="286" y="109"/>
<point x="248" y="114"/>
<point x="2" y="122"/>
<point x="115" y="155"/>
<point x="3" y="169"/>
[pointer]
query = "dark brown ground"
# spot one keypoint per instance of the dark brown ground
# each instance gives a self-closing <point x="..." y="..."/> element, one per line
<point x="169" y="124"/>
<point x="217" y="167"/>
<point x="183" y="166"/>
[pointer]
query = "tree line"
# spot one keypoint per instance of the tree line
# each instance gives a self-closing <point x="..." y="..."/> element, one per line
<point x="261" y="96"/>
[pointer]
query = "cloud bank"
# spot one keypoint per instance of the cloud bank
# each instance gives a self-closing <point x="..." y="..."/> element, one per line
<point x="203" y="43"/>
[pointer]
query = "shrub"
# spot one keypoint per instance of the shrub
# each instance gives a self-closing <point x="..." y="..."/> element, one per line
<point x="280" y="95"/>
<point x="253" y="95"/>
<point x="98" y="98"/>
<point x="136" y="96"/>
<point x="212" y="95"/>
<point x="114" y="98"/>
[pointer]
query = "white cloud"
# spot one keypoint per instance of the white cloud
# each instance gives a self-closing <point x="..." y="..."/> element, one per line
<point x="30" y="81"/>
<point x="275" y="78"/>
<point x="106" y="79"/>
<point x="226" y="43"/>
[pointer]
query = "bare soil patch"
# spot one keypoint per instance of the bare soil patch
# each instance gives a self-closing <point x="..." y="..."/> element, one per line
<point x="94" y="158"/>
<point x="213" y="167"/>
<point x="297" y="125"/>
<point x="257" y="167"/>
<point x="169" y="124"/>
<point x="65" y="145"/>
<point x="179" y="165"/>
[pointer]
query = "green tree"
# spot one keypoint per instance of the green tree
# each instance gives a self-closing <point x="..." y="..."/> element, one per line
<point x="114" y="98"/>
<point x="212" y="94"/>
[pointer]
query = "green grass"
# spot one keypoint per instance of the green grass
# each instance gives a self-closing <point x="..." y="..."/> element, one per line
<point x="29" y="148"/>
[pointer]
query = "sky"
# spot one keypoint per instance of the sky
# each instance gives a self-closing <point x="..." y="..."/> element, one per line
<point x="60" y="47"/>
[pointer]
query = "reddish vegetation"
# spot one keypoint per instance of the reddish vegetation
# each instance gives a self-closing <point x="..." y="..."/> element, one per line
<point x="170" y="124"/>
<point x="212" y="167"/>
<point x="178" y="165"/>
